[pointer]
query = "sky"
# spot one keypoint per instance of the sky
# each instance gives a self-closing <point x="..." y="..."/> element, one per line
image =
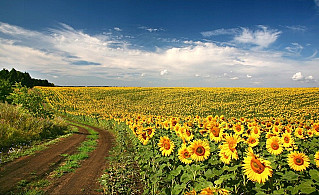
<point x="163" y="43"/>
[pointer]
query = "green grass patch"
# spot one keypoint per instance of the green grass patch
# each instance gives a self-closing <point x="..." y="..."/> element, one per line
<point x="74" y="161"/>
<point x="35" y="146"/>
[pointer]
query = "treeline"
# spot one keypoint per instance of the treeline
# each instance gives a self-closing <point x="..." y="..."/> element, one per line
<point x="13" y="76"/>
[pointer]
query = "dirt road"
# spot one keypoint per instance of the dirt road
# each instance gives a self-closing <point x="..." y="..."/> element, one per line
<point x="39" y="165"/>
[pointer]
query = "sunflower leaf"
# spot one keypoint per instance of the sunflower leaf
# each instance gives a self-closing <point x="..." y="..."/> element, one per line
<point x="306" y="188"/>
<point x="314" y="174"/>
<point x="290" y="176"/>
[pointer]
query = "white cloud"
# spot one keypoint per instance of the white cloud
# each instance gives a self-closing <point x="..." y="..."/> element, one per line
<point x="151" y="29"/>
<point x="297" y="77"/>
<point x="262" y="37"/>
<point x="163" y="72"/>
<point x="295" y="48"/>
<point x="117" y="29"/>
<point x="59" y="51"/>
<point x="221" y="31"/>
<point x="297" y="28"/>
<point x="234" y="78"/>
<point x="248" y="76"/>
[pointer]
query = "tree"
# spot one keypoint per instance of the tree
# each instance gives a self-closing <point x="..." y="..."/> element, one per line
<point x="5" y="90"/>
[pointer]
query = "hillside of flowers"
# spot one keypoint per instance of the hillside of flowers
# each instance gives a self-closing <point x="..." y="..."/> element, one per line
<point x="211" y="140"/>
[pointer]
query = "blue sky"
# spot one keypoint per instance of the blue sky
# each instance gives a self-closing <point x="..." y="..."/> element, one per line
<point x="217" y="43"/>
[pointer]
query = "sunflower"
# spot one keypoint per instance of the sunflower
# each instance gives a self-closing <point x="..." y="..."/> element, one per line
<point x="255" y="130"/>
<point x="252" y="141"/>
<point x="184" y="155"/>
<point x="317" y="159"/>
<point x="149" y="131"/>
<point x="255" y="168"/>
<point x="135" y="128"/>
<point x="166" y="146"/>
<point x="223" y="191"/>
<point x="200" y="150"/>
<point x="193" y="192"/>
<point x="142" y="136"/>
<point x="315" y="128"/>
<point x="238" y="128"/>
<point x="215" y="132"/>
<point x="276" y="129"/>
<point x="173" y="122"/>
<point x="299" y="133"/>
<point x="286" y="140"/>
<point x="177" y="129"/>
<point x="224" y="158"/>
<point x="298" y="161"/>
<point x="187" y="133"/>
<point x="208" y="191"/>
<point x="274" y="146"/>
<point x="310" y="133"/>
<point x="166" y="125"/>
<point x="229" y="147"/>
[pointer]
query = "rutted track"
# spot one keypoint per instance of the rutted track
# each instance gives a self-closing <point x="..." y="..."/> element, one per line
<point x="82" y="181"/>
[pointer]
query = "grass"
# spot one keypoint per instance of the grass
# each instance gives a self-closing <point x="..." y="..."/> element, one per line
<point x="32" y="188"/>
<point x="35" y="146"/>
<point x="74" y="161"/>
<point x="18" y="127"/>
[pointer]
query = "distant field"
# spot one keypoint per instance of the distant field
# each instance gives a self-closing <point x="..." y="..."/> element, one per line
<point x="231" y="102"/>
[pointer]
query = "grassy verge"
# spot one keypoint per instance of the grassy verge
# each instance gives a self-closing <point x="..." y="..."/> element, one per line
<point x="32" y="147"/>
<point x="122" y="175"/>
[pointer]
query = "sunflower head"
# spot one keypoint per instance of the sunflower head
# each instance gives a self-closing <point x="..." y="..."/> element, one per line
<point x="274" y="146"/>
<point x="287" y="140"/>
<point x="208" y="191"/>
<point x="184" y="155"/>
<point x="199" y="150"/>
<point x="238" y="128"/>
<point x="224" y="158"/>
<point x="298" y="161"/>
<point x="255" y="168"/>
<point x="299" y="133"/>
<point x="215" y="132"/>
<point x="252" y="141"/>
<point x="166" y="146"/>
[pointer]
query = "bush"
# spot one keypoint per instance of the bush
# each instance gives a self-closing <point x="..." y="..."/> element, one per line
<point x="18" y="126"/>
<point x="5" y="90"/>
<point x="31" y="100"/>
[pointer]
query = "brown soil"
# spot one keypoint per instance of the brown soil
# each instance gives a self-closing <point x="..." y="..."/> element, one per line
<point x="39" y="165"/>
<point x="85" y="179"/>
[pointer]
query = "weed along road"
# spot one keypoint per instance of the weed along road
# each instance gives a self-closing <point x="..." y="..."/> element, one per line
<point x="40" y="165"/>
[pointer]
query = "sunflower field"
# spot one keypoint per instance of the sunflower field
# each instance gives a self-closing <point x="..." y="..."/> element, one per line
<point x="211" y="140"/>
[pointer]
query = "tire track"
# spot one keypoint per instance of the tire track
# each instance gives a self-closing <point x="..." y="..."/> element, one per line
<point x="85" y="179"/>
<point x="39" y="164"/>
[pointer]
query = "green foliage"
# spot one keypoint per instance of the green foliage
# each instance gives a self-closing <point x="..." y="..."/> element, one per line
<point x="30" y="99"/>
<point x="25" y="79"/>
<point x="18" y="126"/>
<point x="123" y="174"/>
<point x="5" y="90"/>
